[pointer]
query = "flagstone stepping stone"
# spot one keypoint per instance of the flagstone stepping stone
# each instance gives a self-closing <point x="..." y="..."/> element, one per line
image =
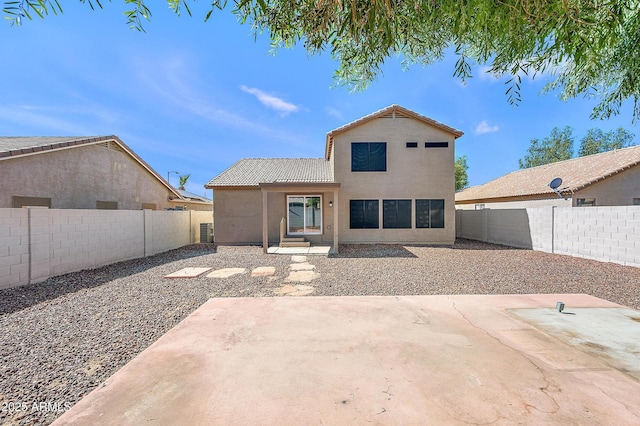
<point x="301" y="290"/>
<point x="294" y="290"/>
<point x="226" y="272"/>
<point x="302" y="266"/>
<point x="302" y="276"/>
<point x="298" y="258"/>
<point x="187" y="273"/>
<point x="263" y="271"/>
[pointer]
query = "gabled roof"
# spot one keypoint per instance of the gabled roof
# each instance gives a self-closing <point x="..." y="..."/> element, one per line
<point x="193" y="197"/>
<point x="20" y="146"/>
<point x="576" y="174"/>
<point x="391" y="111"/>
<point x="251" y="172"/>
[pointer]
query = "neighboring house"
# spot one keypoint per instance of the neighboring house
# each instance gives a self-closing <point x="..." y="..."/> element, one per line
<point x="82" y="173"/>
<point x="204" y="202"/>
<point x="608" y="179"/>
<point x="386" y="177"/>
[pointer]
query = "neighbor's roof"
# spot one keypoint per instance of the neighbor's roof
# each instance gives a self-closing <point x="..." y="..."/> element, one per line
<point x="20" y="146"/>
<point x="576" y="174"/>
<point x="192" y="196"/>
<point x="391" y="111"/>
<point x="12" y="146"/>
<point x="254" y="171"/>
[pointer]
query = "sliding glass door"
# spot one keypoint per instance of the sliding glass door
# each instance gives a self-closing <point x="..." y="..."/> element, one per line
<point x="304" y="214"/>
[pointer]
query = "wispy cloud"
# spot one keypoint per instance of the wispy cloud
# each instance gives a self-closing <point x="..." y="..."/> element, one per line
<point x="332" y="112"/>
<point x="485" y="127"/>
<point x="271" y="101"/>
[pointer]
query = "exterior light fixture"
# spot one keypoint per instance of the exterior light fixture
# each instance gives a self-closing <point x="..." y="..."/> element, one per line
<point x="331" y="203"/>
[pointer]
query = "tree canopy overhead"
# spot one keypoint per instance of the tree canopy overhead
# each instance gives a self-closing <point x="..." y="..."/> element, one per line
<point x="589" y="46"/>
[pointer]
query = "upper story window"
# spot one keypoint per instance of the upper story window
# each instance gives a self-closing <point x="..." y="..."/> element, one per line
<point x="436" y="144"/>
<point x="586" y="202"/>
<point x="368" y="156"/>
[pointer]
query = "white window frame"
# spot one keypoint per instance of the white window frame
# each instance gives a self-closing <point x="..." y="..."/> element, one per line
<point x="304" y="218"/>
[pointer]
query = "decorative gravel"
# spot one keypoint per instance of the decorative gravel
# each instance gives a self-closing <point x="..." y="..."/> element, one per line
<point x="62" y="338"/>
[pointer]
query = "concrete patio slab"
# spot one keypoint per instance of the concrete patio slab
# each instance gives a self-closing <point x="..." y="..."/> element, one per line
<point x="385" y="360"/>
<point x="187" y="273"/>
<point x="313" y="250"/>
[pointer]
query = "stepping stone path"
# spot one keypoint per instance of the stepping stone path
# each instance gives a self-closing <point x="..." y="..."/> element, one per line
<point x="299" y="271"/>
<point x="294" y="290"/>
<point x="226" y="272"/>
<point x="187" y="273"/>
<point x="263" y="271"/>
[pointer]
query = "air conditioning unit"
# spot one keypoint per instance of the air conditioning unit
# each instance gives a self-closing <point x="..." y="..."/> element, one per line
<point x="206" y="232"/>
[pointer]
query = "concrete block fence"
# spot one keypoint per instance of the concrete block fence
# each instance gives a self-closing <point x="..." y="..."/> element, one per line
<point x="609" y="234"/>
<point x="37" y="243"/>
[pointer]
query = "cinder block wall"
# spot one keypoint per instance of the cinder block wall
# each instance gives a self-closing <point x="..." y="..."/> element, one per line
<point x="36" y="244"/>
<point x="609" y="234"/>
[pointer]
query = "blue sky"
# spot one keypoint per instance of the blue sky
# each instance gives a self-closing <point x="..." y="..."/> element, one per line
<point x="195" y="97"/>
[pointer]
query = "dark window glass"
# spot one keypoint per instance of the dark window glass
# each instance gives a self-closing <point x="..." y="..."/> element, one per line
<point x="436" y="144"/>
<point x="429" y="213"/>
<point x="437" y="213"/>
<point x="412" y="144"/>
<point x="364" y="214"/>
<point x="19" y="202"/>
<point x="369" y="157"/>
<point x="396" y="213"/>
<point x="107" y="205"/>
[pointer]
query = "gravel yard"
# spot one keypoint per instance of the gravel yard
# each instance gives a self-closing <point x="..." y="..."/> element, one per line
<point x="65" y="336"/>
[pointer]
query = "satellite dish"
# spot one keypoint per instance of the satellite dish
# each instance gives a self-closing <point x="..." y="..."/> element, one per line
<point x="555" y="184"/>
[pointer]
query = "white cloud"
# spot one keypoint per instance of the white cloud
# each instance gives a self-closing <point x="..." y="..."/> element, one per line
<point x="484" y="127"/>
<point x="271" y="101"/>
<point x="332" y="112"/>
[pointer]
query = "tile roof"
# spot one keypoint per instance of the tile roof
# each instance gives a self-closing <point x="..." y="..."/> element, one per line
<point x="254" y="171"/>
<point x="192" y="196"/>
<point x="11" y="146"/>
<point x="576" y="174"/>
<point x="385" y="112"/>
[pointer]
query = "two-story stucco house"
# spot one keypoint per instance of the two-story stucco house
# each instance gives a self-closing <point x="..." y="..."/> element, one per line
<point x="387" y="177"/>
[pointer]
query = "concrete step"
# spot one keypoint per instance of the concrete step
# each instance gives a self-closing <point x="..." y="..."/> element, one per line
<point x="293" y="240"/>
<point x="295" y="244"/>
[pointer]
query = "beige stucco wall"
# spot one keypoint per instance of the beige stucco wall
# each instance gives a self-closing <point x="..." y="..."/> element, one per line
<point x="412" y="173"/>
<point x="616" y="190"/>
<point x="546" y="202"/>
<point x="78" y="177"/>
<point x="238" y="216"/>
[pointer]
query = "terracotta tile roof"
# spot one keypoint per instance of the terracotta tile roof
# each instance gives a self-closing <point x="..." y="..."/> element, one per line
<point x="387" y="112"/>
<point x="576" y="174"/>
<point x="254" y="171"/>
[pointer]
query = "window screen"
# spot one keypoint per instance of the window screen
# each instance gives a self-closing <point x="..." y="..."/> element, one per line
<point x="364" y="214"/>
<point x="396" y="213"/>
<point x="18" y="202"/>
<point x="429" y="213"/>
<point x="107" y="205"/>
<point x="369" y="157"/>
